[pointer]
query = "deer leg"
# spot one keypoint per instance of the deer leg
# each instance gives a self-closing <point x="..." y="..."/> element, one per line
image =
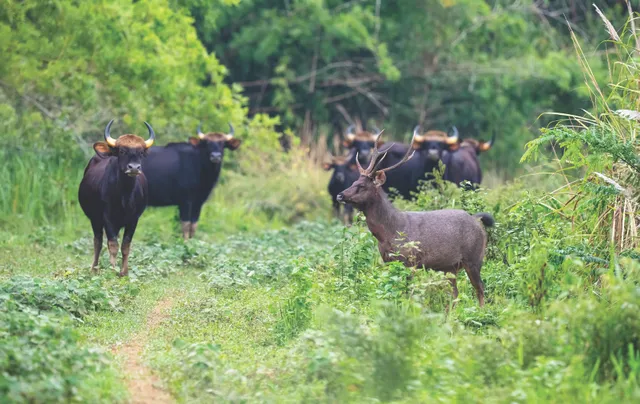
<point x="454" y="287"/>
<point x="97" y="244"/>
<point x="473" y="272"/>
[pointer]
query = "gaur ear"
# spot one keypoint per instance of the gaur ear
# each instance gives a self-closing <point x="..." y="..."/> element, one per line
<point x="232" y="143"/>
<point x="380" y="178"/>
<point x="346" y="143"/>
<point x="194" y="141"/>
<point x="416" y="145"/>
<point x="327" y="166"/>
<point x="353" y="167"/>
<point x="454" y="147"/>
<point x="380" y="142"/>
<point x="102" y="149"/>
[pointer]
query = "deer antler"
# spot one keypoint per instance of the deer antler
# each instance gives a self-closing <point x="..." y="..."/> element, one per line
<point x="375" y="161"/>
<point x="407" y="156"/>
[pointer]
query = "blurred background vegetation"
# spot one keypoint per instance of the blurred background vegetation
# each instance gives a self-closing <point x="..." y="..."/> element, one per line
<point x="305" y="68"/>
<point x="270" y="306"/>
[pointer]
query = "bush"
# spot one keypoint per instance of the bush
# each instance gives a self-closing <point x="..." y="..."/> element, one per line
<point x="42" y="361"/>
<point x="76" y="297"/>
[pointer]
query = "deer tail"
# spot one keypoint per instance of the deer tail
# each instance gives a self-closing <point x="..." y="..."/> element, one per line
<point x="486" y="219"/>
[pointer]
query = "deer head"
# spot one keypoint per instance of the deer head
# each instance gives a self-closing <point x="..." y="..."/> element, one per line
<point x="368" y="186"/>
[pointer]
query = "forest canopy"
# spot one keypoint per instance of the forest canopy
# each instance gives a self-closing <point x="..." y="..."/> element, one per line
<point x="487" y="67"/>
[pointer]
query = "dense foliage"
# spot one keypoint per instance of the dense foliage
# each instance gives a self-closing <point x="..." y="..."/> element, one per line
<point x="265" y="306"/>
<point x="488" y="67"/>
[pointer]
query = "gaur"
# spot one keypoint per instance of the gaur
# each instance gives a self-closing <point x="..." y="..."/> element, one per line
<point x="345" y="172"/>
<point x="359" y="144"/>
<point x="184" y="174"/>
<point x="463" y="164"/>
<point x="429" y="147"/>
<point x="113" y="192"/>
<point x="447" y="240"/>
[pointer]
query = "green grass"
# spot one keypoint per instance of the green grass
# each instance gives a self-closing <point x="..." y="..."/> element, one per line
<point x="273" y="303"/>
<point x="309" y="313"/>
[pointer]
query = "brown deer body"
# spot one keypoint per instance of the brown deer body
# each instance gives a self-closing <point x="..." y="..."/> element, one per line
<point x="447" y="240"/>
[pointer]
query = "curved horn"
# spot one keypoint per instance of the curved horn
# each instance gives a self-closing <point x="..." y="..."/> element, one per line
<point x="453" y="139"/>
<point x="484" y="146"/>
<point x="417" y="137"/>
<point x="199" y="131"/>
<point x="152" y="136"/>
<point x="231" y="130"/>
<point x="350" y="129"/>
<point x="107" y="135"/>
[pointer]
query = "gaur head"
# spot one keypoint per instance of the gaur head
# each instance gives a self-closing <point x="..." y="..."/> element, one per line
<point x="371" y="179"/>
<point x="477" y="145"/>
<point x="433" y="143"/>
<point x="213" y="144"/>
<point x="129" y="149"/>
<point x="361" y="143"/>
<point x="341" y="166"/>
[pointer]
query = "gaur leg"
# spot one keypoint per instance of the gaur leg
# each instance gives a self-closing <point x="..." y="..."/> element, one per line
<point x="185" y="219"/>
<point x="336" y="208"/>
<point x="97" y="227"/>
<point x="473" y="272"/>
<point x="348" y="214"/>
<point x="129" y="230"/>
<point x="195" y="216"/>
<point x="112" y="242"/>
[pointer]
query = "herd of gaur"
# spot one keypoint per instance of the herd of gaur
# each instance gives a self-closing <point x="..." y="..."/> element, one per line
<point x="126" y="175"/>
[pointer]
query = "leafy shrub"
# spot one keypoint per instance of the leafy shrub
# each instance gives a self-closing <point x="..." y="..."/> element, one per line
<point x="76" y="297"/>
<point x="268" y="257"/>
<point x="42" y="361"/>
<point x="377" y="360"/>
<point x="355" y="256"/>
<point x="294" y="314"/>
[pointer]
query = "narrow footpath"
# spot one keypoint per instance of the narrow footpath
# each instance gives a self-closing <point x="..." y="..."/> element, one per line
<point x="144" y="387"/>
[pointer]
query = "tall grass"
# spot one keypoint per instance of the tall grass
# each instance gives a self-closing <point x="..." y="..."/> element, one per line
<point x="603" y="145"/>
<point x="258" y="189"/>
<point x="39" y="188"/>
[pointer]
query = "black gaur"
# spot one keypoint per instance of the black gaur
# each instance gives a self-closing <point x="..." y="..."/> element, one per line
<point x="113" y="192"/>
<point x="184" y="174"/>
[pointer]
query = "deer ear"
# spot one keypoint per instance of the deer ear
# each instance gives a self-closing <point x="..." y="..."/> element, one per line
<point x="102" y="149"/>
<point x="380" y="178"/>
<point x="194" y="141"/>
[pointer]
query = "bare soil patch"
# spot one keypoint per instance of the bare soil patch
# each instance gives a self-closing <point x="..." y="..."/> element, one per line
<point x="143" y="385"/>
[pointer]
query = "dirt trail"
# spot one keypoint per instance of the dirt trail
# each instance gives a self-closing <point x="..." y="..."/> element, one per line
<point x="143" y="385"/>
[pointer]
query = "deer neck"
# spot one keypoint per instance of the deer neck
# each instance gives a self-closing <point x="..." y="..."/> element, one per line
<point x="383" y="219"/>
